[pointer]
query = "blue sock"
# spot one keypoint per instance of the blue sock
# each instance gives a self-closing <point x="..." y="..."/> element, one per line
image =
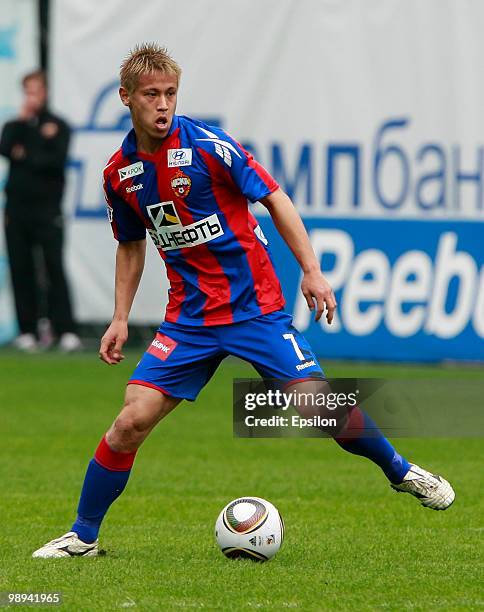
<point x="105" y="480"/>
<point x="101" y="488"/>
<point x="373" y="446"/>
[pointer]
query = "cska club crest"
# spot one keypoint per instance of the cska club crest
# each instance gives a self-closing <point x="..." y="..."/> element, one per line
<point x="181" y="184"/>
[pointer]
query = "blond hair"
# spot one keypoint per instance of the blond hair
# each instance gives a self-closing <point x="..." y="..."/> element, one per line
<point x="146" y="58"/>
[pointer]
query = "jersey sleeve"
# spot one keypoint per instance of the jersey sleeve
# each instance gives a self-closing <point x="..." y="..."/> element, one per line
<point x="125" y="223"/>
<point x="251" y="178"/>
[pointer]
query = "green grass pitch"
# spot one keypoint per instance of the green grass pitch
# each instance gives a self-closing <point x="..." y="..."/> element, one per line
<point x="351" y="542"/>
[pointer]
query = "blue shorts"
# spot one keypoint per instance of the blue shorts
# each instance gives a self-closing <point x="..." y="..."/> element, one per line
<point x="182" y="358"/>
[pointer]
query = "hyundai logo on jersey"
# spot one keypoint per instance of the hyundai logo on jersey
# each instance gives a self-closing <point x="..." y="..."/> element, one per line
<point x="179" y="157"/>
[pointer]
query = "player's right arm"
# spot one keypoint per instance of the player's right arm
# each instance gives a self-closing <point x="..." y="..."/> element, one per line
<point x="130" y="232"/>
<point x="130" y="262"/>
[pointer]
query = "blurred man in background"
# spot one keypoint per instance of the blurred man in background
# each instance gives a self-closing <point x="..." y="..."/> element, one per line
<point x="36" y="145"/>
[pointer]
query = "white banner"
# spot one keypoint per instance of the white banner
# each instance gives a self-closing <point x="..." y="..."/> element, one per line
<point x="18" y="55"/>
<point x="367" y="110"/>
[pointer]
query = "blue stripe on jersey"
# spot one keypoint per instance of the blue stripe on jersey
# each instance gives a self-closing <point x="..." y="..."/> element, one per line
<point x="228" y="252"/>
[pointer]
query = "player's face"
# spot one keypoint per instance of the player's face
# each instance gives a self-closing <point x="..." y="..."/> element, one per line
<point x="152" y="105"/>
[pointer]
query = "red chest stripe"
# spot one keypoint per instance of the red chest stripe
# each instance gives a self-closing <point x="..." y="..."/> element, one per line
<point x="201" y="259"/>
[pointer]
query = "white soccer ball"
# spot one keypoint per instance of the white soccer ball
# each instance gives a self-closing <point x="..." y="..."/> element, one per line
<point x="251" y="528"/>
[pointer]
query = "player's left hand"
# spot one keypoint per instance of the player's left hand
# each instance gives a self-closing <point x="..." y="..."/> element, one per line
<point x="112" y="343"/>
<point x="316" y="288"/>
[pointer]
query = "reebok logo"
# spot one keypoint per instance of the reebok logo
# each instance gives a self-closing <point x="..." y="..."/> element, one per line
<point x="130" y="171"/>
<point x="303" y="366"/>
<point x="134" y="188"/>
<point x="161" y="347"/>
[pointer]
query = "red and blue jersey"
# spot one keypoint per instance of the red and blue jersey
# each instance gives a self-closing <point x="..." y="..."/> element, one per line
<point x="191" y="196"/>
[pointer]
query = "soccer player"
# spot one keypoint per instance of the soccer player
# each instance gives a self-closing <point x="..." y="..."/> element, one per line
<point x="187" y="184"/>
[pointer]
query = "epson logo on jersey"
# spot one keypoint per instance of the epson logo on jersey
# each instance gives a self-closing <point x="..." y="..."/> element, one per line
<point x="134" y="188"/>
<point x="130" y="171"/>
<point x="172" y="237"/>
<point x="179" y="157"/>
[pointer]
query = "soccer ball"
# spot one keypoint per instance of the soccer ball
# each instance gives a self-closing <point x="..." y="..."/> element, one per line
<point x="251" y="528"/>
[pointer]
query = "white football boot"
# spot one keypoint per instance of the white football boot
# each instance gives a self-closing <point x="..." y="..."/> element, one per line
<point x="68" y="545"/>
<point x="432" y="490"/>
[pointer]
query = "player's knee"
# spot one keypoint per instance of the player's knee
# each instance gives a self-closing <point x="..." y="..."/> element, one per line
<point x="122" y="436"/>
<point x="128" y="432"/>
<point x="129" y="426"/>
<point x="123" y="427"/>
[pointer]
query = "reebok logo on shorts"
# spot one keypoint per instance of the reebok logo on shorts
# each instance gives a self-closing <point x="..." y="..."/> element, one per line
<point x="161" y="347"/>
<point x="306" y="364"/>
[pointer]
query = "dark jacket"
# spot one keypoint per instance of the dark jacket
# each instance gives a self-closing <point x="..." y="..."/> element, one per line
<point x="37" y="180"/>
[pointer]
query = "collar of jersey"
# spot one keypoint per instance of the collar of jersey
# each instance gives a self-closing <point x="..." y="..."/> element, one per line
<point x="129" y="145"/>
